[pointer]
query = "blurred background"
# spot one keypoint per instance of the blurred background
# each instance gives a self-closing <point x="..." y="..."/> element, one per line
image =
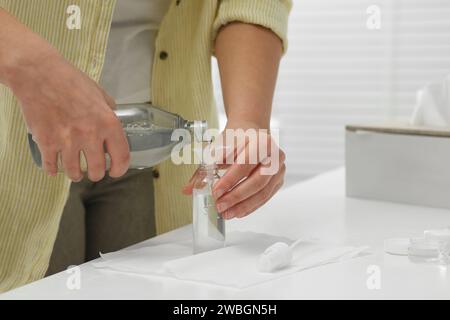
<point x="352" y="61"/>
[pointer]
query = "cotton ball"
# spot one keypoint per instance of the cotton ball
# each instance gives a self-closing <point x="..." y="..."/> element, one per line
<point x="277" y="256"/>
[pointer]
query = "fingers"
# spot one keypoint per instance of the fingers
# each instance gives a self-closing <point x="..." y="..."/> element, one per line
<point x="49" y="157"/>
<point x="187" y="189"/>
<point x="90" y="142"/>
<point x="119" y="152"/>
<point x="232" y="177"/>
<point x="247" y="188"/>
<point x="247" y="160"/>
<point x="95" y="157"/>
<point x="258" y="199"/>
<point x="71" y="163"/>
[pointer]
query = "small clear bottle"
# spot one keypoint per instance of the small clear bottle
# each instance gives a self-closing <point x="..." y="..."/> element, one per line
<point x="208" y="224"/>
<point x="433" y="247"/>
<point x="442" y="239"/>
<point x="423" y="250"/>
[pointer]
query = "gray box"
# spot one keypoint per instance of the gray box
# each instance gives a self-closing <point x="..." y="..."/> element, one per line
<point x="399" y="164"/>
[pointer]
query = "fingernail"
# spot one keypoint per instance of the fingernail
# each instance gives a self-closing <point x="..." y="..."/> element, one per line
<point x="218" y="193"/>
<point x="221" y="207"/>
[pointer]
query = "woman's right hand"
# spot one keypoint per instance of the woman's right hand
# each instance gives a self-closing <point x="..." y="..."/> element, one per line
<point x="66" y="111"/>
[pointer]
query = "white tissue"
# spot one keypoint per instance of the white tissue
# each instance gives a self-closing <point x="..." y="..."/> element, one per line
<point x="146" y="260"/>
<point x="433" y="105"/>
<point x="234" y="266"/>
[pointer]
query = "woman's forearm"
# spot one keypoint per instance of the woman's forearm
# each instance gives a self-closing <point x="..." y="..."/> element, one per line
<point x="19" y="47"/>
<point x="248" y="58"/>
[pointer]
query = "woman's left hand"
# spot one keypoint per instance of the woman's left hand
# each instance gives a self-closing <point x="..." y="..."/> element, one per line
<point x="246" y="187"/>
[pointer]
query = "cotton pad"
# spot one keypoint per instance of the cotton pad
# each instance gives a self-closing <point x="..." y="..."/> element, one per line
<point x="277" y="256"/>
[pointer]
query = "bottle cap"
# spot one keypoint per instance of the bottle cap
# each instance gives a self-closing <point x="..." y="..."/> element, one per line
<point x="198" y="128"/>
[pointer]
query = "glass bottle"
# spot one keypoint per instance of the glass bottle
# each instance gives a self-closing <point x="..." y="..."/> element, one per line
<point x="208" y="224"/>
<point x="423" y="250"/>
<point x="149" y="133"/>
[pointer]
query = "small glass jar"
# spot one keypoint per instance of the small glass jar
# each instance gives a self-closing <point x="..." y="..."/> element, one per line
<point x="208" y="224"/>
<point x="423" y="250"/>
<point x="442" y="238"/>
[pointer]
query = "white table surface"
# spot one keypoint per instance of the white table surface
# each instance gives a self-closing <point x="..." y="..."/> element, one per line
<point x="317" y="208"/>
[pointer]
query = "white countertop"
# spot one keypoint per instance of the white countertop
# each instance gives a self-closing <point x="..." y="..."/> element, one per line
<point x="318" y="208"/>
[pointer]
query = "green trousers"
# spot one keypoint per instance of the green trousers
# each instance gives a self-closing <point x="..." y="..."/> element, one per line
<point x="103" y="217"/>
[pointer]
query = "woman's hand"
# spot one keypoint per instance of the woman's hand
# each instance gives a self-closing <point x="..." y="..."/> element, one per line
<point x="247" y="186"/>
<point x="66" y="111"/>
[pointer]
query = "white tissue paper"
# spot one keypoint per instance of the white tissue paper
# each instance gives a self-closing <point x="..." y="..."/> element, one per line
<point x="433" y="105"/>
<point x="146" y="260"/>
<point x="236" y="265"/>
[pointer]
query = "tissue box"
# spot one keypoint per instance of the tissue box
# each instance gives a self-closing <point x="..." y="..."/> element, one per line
<point x="398" y="163"/>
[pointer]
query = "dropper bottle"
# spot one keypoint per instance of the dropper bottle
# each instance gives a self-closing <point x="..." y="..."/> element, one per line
<point x="208" y="224"/>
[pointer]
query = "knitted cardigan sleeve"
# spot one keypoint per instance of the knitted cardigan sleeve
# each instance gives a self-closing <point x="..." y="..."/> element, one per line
<point x="271" y="14"/>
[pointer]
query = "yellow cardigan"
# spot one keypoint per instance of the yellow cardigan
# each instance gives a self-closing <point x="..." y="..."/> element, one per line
<point x="31" y="203"/>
